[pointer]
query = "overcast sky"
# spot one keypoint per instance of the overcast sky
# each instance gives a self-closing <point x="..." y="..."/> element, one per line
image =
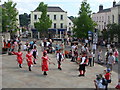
<point x="71" y="6"/>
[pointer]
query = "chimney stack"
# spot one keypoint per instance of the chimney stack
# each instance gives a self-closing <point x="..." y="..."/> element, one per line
<point x="100" y="8"/>
<point x="114" y="3"/>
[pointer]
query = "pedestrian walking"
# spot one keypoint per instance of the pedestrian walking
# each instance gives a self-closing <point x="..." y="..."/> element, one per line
<point x="99" y="56"/>
<point x="111" y="61"/>
<point x="106" y="56"/>
<point x="116" y="54"/>
<point x="107" y="76"/>
<point x="73" y="52"/>
<point x="60" y="58"/>
<point x="90" y="56"/>
<point x="19" y="57"/>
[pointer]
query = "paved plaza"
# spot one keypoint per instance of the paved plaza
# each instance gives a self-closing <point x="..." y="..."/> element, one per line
<point x="13" y="77"/>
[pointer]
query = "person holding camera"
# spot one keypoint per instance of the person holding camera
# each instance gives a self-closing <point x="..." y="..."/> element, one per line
<point x="99" y="83"/>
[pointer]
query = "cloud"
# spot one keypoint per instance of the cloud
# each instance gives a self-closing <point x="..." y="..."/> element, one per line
<point x="71" y="6"/>
<point x="31" y="1"/>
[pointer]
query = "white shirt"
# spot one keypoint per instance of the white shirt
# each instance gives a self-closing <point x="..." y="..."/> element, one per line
<point x="83" y="60"/>
<point x="99" y="84"/>
<point x="73" y="47"/>
<point x="111" y="59"/>
<point x="58" y="56"/>
<point x="83" y="48"/>
<point x="94" y="46"/>
<point x="24" y="47"/>
<point x="48" y="43"/>
<point x="33" y="51"/>
<point x="86" y="41"/>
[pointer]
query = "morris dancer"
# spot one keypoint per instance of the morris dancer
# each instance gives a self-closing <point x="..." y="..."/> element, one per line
<point x="35" y="54"/>
<point x="60" y="57"/>
<point x="82" y="65"/>
<point x="29" y="57"/>
<point x="19" y="57"/>
<point x="45" y="61"/>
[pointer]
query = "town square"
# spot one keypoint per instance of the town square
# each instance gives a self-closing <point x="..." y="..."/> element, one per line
<point x="48" y="44"/>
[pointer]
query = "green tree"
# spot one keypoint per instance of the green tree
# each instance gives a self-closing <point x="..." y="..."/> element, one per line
<point x="83" y="22"/>
<point x="112" y="30"/>
<point x="9" y="18"/>
<point x="24" y="19"/>
<point x="44" y="22"/>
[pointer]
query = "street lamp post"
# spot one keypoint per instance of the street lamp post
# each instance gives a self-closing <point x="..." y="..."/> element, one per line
<point x="95" y="39"/>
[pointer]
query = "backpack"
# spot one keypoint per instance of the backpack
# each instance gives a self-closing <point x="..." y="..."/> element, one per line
<point x="104" y="81"/>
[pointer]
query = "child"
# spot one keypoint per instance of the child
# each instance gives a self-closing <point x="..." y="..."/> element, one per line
<point x="19" y="57"/>
<point x="29" y="57"/>
<point x="45" y="61"/>
<point x="60" y="58"/>
<point x="66" y="54"/>
<point x="35" y="54"/>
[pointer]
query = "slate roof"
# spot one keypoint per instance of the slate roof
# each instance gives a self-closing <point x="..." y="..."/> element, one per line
<point x="105" y="10"/>
<point x="53" y="9"/>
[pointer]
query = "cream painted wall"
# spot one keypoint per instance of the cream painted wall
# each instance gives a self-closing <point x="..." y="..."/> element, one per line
<point x="58" y="21"/>
<point x="101" y="18"/>
<point x="68" y="25"/>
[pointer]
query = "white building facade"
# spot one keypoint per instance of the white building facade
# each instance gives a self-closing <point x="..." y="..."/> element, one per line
<point x="107" y="16"/>
<point x="60" y="21"/>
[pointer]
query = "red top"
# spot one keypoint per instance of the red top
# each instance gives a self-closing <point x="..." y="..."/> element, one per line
<point x="9" y="45"/>
<point x="19" y="57"/>
<point x="29" y="57"/>
<point x="107" y="76"/>
<point x="45" y="63"/>
<point x="116" y="54"/>
<point x="44" y="60"/>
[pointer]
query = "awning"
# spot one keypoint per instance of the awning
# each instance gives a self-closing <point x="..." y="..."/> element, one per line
<point x="34" y="30"/>
<point x="58" y="29"/>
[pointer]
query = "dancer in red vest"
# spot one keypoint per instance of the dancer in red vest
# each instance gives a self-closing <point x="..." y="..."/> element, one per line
<point x="82" y="65"/>
<point x="19" y="57"/>
<point x="35" y="54"/>
<point x="29" y="60"/>
<point x="60" y="57"/>
<point x="45" y="61"/>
